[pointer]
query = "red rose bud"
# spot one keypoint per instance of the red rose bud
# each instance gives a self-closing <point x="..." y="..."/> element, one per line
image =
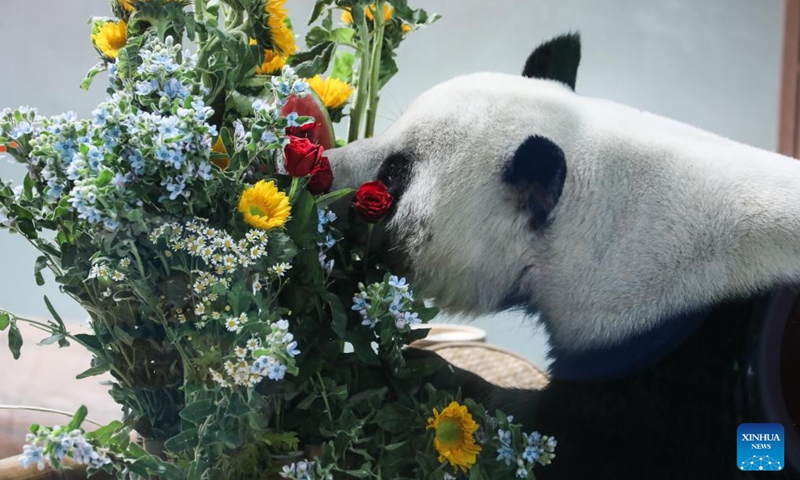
<point x="321" y="177"/>
<point x="300" y="156"/>
<point x="373" y="201"/>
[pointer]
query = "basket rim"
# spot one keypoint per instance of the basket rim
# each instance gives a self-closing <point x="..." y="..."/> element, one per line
<point x="486" y="346"/>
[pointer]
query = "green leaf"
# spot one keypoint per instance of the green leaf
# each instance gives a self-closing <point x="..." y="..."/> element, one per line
<point x="388" y="70"/>
<point x="104" y="178"/>
<point x="426" y="314"/>
<point x="343" y="36"/>
<point x="301" y="227"/>
<point x="78" y="418"/>
<point x="51" y="340"/>
<point x="319" y="7"/>
<point x="197" y="412"/>
<point x="103" y="435"/>
<point x="183" y="441"/>
<point x="14" y="340"/>
<point x="363" y="472"/>
<point x="27" y="186"/>
<point x="395" y="418"/>
<point x="53" y="312"/>
<point x="343" y="66"/>
<point x="128" y="59"/>
<point x="21" y="212"/>
<point x="40" y="264"/>
<point x="395" y="446"/>
<point x="327" y="199"/>
<point x="315" y="61"/>
<point x="87" y="82"/>
<point x="123" y="336"/>
<point x="99" y="369"/>
<point x="236" y="407"/>
<point x="317" y="35"/>
<point x="366" y="354"/>
<point x="338" y="315"/>
<point x="5" y="320"/>
<point x="90" y="341"/>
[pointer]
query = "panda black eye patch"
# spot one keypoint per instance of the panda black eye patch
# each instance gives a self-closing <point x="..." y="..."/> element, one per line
<point x="395" y="173"/>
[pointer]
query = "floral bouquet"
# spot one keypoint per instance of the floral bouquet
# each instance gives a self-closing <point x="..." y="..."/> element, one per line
<point x="248" y="331"/>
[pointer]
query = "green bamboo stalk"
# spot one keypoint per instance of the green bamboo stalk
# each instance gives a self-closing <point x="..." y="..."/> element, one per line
<point x="375" y="71"/>
<point x="362" y="87"/>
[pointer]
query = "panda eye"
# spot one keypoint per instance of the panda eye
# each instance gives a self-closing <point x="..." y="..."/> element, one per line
<point x="395" y="173"/>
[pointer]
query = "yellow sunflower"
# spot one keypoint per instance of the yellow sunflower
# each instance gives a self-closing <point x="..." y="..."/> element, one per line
<point x="407" y="28"/>
<point x="264" y="206"/>
<point x="455" y="439"/>
<point x="110" y="37"/>
<point x="388" y="10"/>
<point x="333" y="92"/>
<point x="272" y="63"/>
<point x="127" y="5"/>
<point x="280" y="33"/>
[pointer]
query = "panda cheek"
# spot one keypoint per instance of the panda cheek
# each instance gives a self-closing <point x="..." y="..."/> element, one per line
<point x="536" y="175"/>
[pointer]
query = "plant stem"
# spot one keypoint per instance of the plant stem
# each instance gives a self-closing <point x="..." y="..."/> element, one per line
<point x="366" y="251"/>
<point x="52" y="329"/>
<point x="375" y="70"/>
<point x="293" y="189"/>
<point x="325" y="397"/>
<point x="362" y="91"/>
<point x="46" y="410"/>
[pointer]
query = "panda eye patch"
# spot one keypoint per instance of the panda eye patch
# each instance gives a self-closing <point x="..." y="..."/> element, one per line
<point x="395" y="173"/>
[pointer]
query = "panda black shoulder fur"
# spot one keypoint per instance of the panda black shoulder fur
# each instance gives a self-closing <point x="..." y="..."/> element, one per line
<point x="629" y="234"/>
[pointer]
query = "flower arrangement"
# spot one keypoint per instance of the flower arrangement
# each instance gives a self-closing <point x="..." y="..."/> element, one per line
<point x="248" y="331"/>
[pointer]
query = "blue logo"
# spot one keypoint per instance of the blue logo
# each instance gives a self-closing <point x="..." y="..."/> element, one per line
<point x="759" y="447"/>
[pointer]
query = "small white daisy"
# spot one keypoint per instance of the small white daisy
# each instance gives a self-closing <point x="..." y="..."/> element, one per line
<point x="281" y="268"/>
<point x="232" y="324"/>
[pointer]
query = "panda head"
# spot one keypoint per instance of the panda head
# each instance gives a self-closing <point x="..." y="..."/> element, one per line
<point x="514" y="191"/>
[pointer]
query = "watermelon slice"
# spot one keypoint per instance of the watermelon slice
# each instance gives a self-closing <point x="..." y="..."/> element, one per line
<point x="321" y="131"/>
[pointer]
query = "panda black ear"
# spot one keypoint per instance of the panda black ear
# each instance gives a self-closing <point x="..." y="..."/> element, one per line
<point x="537" y="171"/>
<point x="556" y="59"/>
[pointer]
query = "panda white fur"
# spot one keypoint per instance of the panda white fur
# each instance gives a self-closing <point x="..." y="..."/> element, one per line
<point x="623" y="230"/>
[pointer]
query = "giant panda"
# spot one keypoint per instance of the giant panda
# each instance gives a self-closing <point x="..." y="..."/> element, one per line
<point x="636" y="240"/>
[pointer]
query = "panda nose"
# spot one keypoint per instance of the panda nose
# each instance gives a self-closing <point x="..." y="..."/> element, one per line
<point x="355" y="163"/>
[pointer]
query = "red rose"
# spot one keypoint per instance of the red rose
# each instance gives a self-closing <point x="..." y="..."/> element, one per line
<point x="300" y="156"/>
<point x="303" y="131"/>
<point x="373" y="201"/>
<point x="321" y="177"/>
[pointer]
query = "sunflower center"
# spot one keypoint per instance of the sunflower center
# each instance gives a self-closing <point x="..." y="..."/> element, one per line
<point x="256" y="210"/>
<point x="449" y="432"/>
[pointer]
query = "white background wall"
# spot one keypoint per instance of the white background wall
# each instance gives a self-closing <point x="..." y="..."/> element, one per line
<point x="711" y="63"/>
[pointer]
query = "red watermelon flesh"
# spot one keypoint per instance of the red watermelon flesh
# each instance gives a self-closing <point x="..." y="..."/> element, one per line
<point x="321" y="131"/>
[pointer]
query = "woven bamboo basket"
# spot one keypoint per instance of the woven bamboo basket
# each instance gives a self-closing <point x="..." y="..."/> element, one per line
<point x="497" y="365"/>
